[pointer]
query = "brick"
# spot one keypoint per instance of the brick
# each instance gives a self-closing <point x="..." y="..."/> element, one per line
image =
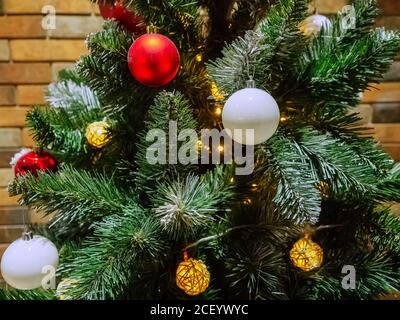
<point x="6" y="175"/>
<point x="390" y="7"/>
<point x="393" y="149"/>
<point x="37" y="217"/>
<point x="7" y="201"/>
<point x="47" y="50"/>
<point x="386" y="112"/>
<point x="17" y="215"/>
<point x="7" y="96"/>
<point x="30" y="94"/>
<point x="75" y="26"/>
<point x="13" y="116"/>
<point x="12" y="215"/>
<point x="27" y="140"/>
<point x="10" y="233"/>
<point x="395" y="208"/>
<point x="384" y="92"/>
<point x="35" y="6"/>
<point x="394" y="73"/>
<point x="4" y="50"/>
<point x="5" y="156"/>
<point x="58" y="66"/>
<point x="365" y="112"/>
<point x="389" y="22"/>
<point x="387" y="133"/>
<point x="330" y="7"/>
<point x="3" y="247"/>
<point x="10" y="137"/>
<point x="24" y="73"/>
<point x="21" y="27"/>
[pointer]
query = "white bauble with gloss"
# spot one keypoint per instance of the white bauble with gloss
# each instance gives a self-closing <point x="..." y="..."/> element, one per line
<point x="247" y="109"/>
<point x="313" y="24"/>
<point x="26" y="262"/>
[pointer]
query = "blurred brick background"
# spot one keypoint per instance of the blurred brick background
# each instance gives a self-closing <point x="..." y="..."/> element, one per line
<point x="30" y="58"/>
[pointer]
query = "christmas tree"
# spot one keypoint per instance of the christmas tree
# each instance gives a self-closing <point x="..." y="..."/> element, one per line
<point x="284" y="211"/>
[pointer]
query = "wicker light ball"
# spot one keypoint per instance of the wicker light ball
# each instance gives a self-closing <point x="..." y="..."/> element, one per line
<point x="64" y="286"/>
<point x="97" y="134"/>
<point x="192" y="276"/>
<point x="306" y="254"/>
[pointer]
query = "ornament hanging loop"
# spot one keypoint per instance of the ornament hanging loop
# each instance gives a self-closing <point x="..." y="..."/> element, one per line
<point x="251" y="84"/>
<point x="185" y="256"/>
<point x="27" y="234"/>
<point x="315" y="7"/>
<point x="151" y="28"/>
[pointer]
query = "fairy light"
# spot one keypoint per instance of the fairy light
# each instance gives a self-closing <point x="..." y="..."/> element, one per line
<point x="199" y="57"/>
<point x="247" y="201"/>
<point x="216" y="93"/>
<point x="218" y="111"/>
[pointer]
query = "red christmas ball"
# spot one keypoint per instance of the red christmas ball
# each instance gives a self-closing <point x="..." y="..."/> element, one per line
<point x="126" y="17"/>
<point x="33" y="162"/>
<point x="153" y="60"/>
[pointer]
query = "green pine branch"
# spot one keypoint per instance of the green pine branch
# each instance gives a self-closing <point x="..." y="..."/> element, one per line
<point x="63" y="130"/>
<point x="255" y="271"/>
<point x="375" y="274"/>
<point x="18" y="295"/>
<point x="69" y="94"/>
<point x="105" y="70"/>
<point x="263" y="54"/>
<point x="122" y="246"/>
<point x="76" y="197"/>
<point x="187" y="206"/>
<point x="283" y="163"/>
<point x="167" y="107"/>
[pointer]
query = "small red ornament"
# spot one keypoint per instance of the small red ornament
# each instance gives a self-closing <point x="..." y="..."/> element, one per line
<point x="33" y="162"/>
<point x="126" y="17"/>
<point x="153" y="60"/>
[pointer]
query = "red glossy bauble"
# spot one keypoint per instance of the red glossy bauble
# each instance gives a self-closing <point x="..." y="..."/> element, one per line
<point x="33" y="162"/>
<point x="126" y="17"/>
<point x="153" y="60"/>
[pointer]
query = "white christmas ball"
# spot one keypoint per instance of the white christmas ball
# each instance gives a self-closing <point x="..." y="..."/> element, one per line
<point x="313" y="24"/>
<point x="251" y="108"/>
<point x="23" y="261"/>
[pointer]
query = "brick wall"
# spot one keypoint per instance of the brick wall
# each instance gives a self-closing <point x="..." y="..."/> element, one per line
<point x="31" y="57"/>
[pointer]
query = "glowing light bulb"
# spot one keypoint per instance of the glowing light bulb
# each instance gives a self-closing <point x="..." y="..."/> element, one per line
<point x="216" y="93"/>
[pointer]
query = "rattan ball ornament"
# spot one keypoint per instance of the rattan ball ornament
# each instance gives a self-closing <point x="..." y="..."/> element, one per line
<point x="64" y="286"/>
<point x="97" y="134"/>
<point x="306" y="254"/>
<point x="192" y="276"/>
